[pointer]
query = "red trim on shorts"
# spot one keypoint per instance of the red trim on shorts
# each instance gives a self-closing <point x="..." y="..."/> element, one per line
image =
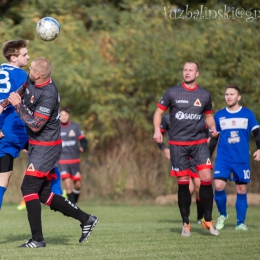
<point x="69" y="176"/>
<point x="162" y="107"/>
<point x="75" y="178"/>
<point x="32" y="196"/>
<point x="201" y="141"/>
<point x="41" y="115"/>
<point x="205" y="183"/>
<point x="194" y="175"/>
<point x="203" y="166"/>
<point x="189" y="89"/>
<point x="162" y="130"/>
<point x="81" y="137"/>
<point x="39" y="174"/>
<point x="69" y="161"/>
<point x="43" y="143"/>
<point x="43" y="84"/>
<point x="49" y="200"/>
<point x="180" y="173"/>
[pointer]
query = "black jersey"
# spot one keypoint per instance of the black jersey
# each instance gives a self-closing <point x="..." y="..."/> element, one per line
<point x="42" y="101"/>
<point x="187" y="109"/>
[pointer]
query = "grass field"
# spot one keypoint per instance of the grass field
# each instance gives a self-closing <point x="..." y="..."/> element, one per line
<point x="128" y="232"/>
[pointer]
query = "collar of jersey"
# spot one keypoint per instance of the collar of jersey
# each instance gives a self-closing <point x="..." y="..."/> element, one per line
<point x="64" y="125"/>
<point x="232" y="112"/>
<point x="189" y="89"/>
<point x="7" y="64"/>
<point x="43" y="84"/>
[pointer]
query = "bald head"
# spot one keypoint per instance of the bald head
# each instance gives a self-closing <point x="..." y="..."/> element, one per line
<point x="42" y="66"/>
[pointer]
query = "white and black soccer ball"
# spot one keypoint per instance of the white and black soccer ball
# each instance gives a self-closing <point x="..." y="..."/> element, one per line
<point x="48" y="29"/>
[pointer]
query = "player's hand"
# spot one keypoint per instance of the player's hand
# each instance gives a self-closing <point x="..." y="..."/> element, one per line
<point x="157" y="137"/>
<point x="167" y="153"/>
<point x="81" y="149"/>
<point x="257" y="155"/>
<point x="1" y="109"/>
<point x="1" y="134"/>
<point x="214" y="132"/>
<point x="14" y="99"/>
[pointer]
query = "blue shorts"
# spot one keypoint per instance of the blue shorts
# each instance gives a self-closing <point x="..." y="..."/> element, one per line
<point x="238" y="172"/>
<point x="15" y="135"/>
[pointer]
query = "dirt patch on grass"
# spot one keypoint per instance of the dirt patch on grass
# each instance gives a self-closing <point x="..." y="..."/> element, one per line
<point x="170" y="199"/>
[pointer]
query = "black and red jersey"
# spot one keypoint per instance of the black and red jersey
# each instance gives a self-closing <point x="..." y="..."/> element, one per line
<point x="42" y="102"/>
<point x="71" y="134"/>
<point x="186" y="109"/>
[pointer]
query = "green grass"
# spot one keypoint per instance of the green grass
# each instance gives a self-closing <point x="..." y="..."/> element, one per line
<point x="128" y="232"/>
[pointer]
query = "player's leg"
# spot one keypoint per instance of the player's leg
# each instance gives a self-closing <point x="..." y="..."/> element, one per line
<point x="66" y="180"/>
<point x="76" y="177"/>
<point x="6" y="168"/>
<point x="200" y="155"/>
<point x="220" y="199"/>
<point x="67" y="208"/>
<point x="180" y="168"/>
<point x="242" y="177"/>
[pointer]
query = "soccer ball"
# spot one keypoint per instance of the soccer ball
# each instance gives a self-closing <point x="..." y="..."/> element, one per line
<point x="48" y="29"/>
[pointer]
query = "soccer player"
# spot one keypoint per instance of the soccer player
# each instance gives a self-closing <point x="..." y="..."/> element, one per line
<point x="69" y="164"/>
<point x="190" y="106"/>
<point x="40" y="112"/>
<point x="13" y="136"/>
<point x="234" y="124"/>
<point x="194" y="177"/>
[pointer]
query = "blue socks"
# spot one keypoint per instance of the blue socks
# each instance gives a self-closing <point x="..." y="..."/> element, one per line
<point x="221" y="201"/>
<point x="2" y="193"/>
<point x="241" y="208"/>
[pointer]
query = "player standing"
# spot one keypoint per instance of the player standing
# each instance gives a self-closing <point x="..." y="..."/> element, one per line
<point x="234" y="124"/>
<point x="190" y="106"/>
<point x="40" y="112"/>
<point x="194" y="176"/>
<point x="69" y="164"/>
<point x="13" y="136"/>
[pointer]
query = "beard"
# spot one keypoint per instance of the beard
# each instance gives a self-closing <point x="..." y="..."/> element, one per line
<point x="190" y="81"/>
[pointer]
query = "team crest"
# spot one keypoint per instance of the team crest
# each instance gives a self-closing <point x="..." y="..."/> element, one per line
<point x="31" y="168"/>
<point x="71" y="133"/>
<point x="197" y="103"/>
<point x="32" y="99"/>
<point x="208" y="162"/>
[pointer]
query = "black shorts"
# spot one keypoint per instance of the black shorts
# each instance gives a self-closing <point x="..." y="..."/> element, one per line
<point x="42" y="159"/>
<point x="182" y="157"/>
<point x="71" y="171"/>
<point x="6" y="163"/>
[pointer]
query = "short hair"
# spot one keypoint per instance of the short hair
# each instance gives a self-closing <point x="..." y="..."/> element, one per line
<point x="197" y="65"/>
<point x="65" y="109"/>
<point x="43" y="66"/>
<point x="12" y="48"/>
<point x="234" y="87"/>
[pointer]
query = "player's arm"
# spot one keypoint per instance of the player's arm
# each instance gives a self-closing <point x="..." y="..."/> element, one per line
<point x="34" y="121"/>
<point x="83" y="143"/>
<point x="211" y="124"/>
<point x="212" y="145"/>
<point x="256" y="133"/>
<point x="20" y="91"/>
<point x="157" y="119"/>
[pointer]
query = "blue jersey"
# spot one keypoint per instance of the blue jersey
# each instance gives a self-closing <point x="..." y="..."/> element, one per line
<point x="235" y="128"/>
<point x="13" y="128"/>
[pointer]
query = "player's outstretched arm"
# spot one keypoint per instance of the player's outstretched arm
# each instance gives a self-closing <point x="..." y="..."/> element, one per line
<point x="256" y="133"/>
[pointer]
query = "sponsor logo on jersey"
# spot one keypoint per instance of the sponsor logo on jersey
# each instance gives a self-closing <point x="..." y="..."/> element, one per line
<point x="197" y="103"/>
<point x="180" y="115"/>
<point x="72" y="133"/>
<point x="208" y="162"/>
<point x="32" y="99"/>
<point x="182" y="101"/>
<point x="27" y="91"/>
<point x="63" y="133"/>
<point x="31" y="168"/>
<point x="68" y="143"/>
<point x="45" y="110"/>
<point x="233" y="123"/>
<point x="217" y="172"/>
<point x="234" y="137"/>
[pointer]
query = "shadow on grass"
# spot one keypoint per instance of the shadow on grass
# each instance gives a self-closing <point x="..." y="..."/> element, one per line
<point x="59" y="240"/>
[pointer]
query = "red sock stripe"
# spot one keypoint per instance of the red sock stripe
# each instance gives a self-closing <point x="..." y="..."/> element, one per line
<point x="206" y="183"/>
<point x="29" y="197"/>
<point x="48" y="202"/>
<point x="183" y="182"/>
